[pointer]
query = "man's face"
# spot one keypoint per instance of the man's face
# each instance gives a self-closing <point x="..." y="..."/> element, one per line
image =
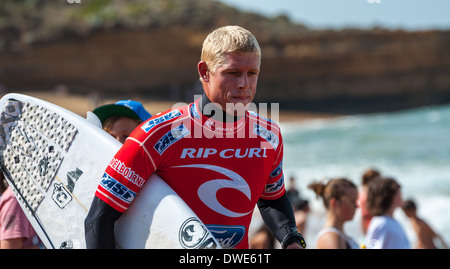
<point x="234" y="82"/>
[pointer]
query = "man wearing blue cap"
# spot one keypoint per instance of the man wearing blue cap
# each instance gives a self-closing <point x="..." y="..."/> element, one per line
<point x="121" y="118"/>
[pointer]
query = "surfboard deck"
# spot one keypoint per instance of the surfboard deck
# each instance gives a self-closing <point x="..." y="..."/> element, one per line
<point x="54" y="160"/>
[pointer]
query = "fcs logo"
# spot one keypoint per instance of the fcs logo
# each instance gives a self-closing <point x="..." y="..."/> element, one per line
<point x="207" y="191"/>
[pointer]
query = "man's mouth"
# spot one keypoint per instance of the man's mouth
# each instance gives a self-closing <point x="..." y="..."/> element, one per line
<point x="240" y="97"/>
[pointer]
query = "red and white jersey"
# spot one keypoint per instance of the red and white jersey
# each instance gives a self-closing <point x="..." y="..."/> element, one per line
<point x="219" y="169"/>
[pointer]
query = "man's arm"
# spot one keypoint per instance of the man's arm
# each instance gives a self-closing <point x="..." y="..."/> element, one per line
<point x="99" y="225"/>
<point x="279" y="218"/>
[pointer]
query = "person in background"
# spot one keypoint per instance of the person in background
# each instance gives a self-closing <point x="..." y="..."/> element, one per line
<point x="339" y="197"/>
<point x="3" y="184"/>
<point x="425" y="234"/>
<point x="262" y="239"/>
<point x="121" y="118"/>
<point x="16" y="231"/>
<point x="292" y="193"/>
<point x="299" y="205"/>
<point x="369" y="176"/>
<point x="384" y="232"/>
<point x="301" y="213"/>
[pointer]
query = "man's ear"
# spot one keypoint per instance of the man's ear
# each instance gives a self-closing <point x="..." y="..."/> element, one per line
<point x="203" y="71"/>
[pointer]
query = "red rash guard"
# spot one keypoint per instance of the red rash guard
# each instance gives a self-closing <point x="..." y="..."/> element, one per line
<point x="219" y="169"/>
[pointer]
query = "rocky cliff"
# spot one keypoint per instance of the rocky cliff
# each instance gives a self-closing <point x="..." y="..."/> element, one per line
<point x="350" y="71"/>
<point x="361" y="71"/>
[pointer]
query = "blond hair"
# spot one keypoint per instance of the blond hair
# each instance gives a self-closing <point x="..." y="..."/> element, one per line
<point x="225" y="40"/>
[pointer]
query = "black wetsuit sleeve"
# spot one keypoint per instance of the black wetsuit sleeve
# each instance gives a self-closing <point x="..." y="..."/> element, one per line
<point x="99" y="225"/>
<point x="278" y="216"/>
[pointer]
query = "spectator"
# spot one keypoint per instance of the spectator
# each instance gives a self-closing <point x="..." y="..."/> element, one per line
<point x="121" y="118"/>
<point x="425" y="234"/>
<point x="384" y="232"/>
<point x="340" y="197"/>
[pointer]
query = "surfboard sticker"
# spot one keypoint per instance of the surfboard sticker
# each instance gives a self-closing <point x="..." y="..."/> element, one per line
<point x="34" y="156"/>
<point x="194" y="235"/>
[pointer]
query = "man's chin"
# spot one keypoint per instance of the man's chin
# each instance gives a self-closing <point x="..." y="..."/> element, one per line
<point x="238" y="108"/>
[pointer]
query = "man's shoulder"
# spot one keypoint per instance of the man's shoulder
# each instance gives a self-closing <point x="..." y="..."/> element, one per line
<point x="159" y="124"/>
<point x="266" y="129"/>
<point x="164" y="118"/>
<point x="263" y="120"/>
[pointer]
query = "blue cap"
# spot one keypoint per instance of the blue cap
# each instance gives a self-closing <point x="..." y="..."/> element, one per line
<point x="125" y="108"/>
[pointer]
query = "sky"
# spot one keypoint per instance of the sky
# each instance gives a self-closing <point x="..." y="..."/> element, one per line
<point x="337" y="14"/>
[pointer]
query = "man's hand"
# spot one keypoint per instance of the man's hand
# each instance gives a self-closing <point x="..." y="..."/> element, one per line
<point x="294" y="240"/>
<point x="294" y="246"/>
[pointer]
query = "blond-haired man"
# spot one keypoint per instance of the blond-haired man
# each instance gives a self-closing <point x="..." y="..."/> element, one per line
<point x="221" y="159"/>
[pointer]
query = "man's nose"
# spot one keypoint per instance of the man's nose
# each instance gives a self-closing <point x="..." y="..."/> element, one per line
<point x="244" y="82"/>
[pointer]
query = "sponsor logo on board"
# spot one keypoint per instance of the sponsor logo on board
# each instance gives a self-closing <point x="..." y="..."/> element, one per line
<point x="193" y="234"/>
<point x="228" y="236"/>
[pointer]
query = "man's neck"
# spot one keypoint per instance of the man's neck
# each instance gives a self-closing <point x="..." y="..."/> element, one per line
<point x="214" y="111"/>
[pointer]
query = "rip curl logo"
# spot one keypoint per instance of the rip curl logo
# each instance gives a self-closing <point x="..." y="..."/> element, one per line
<point x="222" y="126"/>
<point x="208" y="190"/>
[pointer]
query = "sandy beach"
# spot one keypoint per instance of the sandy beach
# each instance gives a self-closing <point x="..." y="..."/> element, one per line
<point x="80" y="104"/>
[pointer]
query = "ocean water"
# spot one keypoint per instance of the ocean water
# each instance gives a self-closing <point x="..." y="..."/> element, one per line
<point x="412" y="146"/>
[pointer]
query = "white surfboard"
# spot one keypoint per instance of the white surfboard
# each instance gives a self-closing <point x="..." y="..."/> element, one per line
<point x="54" y="159"/>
